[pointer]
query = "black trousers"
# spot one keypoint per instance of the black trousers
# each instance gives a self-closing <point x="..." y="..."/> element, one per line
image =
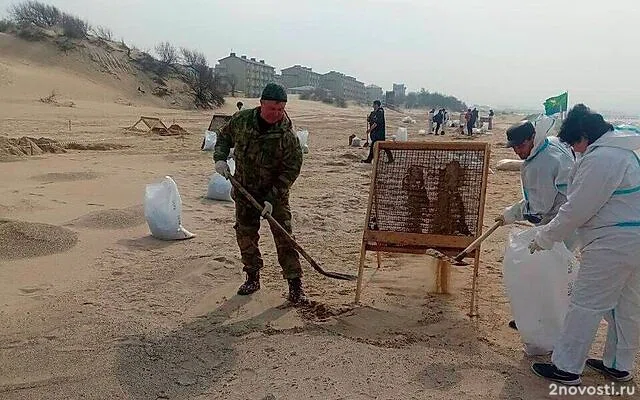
<point x="374" y="139"/>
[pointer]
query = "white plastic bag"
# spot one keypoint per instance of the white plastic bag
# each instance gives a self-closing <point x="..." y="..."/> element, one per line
<point x="163" y="211"/>
<point x="220" y="188"/>
<point x="539" y="287"/>
<point x="402" y="135"/>
<point x="356" y="142"/>
<point x="209" y="141"/>
<point x="303" y="137"/>
<point x="508" y="164"/>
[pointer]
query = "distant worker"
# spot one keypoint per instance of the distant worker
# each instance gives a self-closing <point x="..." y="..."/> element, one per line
<point x="430" y="121"/>
<point x="475" y="117"/>
<point x="369" y="123"/>
<point x="445" y="119"/>
<point x="439" y="120"/>
<point x="491" y="114"/>
<point x="376" y="131"/>
<point x="469" y="125"/>
<point x="268" y="165"/>
<point x="544" y="177"/>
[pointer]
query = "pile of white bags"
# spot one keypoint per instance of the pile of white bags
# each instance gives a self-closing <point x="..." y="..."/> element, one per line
<point x="539" y="286"/>
<point x="163" y="211"/>
<point x="219" y="187"/>
<point x="208" y="141"/>
<point x="303" y="137"/>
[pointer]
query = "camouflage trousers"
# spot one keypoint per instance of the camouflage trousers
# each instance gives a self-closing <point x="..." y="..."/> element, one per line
<point x="247" y="228"/>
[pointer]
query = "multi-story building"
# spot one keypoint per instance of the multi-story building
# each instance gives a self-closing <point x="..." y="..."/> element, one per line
<point x="374" y="93"/>
<point x="250" y="76"/>
<point x="355" y="89"/>
<point x="343" y="86"/>
<point x="277" y="78"/>
<point x="298" y="76"/>
<point x="399" y="90"/>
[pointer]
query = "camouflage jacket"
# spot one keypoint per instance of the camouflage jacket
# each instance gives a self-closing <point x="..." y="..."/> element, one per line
<point x="267" y="164"/>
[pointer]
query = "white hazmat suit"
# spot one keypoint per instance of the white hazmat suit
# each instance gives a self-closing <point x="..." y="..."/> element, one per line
<point x="603" y="204"/>
<point x="544" y="176"/>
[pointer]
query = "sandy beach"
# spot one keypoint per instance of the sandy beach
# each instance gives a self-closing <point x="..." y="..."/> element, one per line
<point x="93" y="307"/>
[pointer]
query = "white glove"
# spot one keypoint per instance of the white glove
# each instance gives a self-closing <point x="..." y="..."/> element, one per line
<point x="534" y="246"/>
<point x="512" y="214"/>
<point x="268" y="209"/>
<point x="223" y="169"/>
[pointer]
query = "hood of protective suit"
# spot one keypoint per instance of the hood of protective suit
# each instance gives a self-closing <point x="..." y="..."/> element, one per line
<point x="545" y="126"/>
<point x="626" y="139"/>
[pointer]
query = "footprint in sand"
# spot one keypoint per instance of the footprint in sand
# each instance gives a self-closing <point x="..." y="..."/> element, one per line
<point x="34" y="289"/>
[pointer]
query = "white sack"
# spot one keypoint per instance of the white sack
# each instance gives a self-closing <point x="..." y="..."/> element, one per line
<point x="303" y="137"/>
<point x="538" y="286"/>
<point x="163" y="211"/>
<point x="219" y="187"/>
<point x="209" y="141"/>
<point x="509" y="165"/>
<point x="401" y="135"/>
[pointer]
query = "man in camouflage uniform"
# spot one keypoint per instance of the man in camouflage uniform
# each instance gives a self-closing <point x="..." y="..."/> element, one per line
<point x="268" y="160"/>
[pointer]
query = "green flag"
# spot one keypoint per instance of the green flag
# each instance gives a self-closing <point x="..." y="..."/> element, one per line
<point x="557" y="104"/>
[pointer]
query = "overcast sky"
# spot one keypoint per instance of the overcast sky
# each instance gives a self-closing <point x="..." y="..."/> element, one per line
<point x="492" y="52"/>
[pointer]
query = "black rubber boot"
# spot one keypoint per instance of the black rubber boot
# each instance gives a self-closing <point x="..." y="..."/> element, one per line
<point x="296" y="293"/>
<point x="251" y="285"/>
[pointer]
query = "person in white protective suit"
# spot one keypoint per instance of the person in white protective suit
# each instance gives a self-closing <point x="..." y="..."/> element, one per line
<point x="603" y="204"/>
<point x="544" y="175"/>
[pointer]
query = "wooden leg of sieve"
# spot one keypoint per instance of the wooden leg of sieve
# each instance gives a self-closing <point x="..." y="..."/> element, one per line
<point x="473" y="311"/>
<point x="443" y="276"/>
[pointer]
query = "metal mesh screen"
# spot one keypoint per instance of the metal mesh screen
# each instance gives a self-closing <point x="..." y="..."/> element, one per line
<point x="428" y="191"/>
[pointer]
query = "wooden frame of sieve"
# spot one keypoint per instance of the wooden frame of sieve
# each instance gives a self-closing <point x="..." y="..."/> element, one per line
<point x="421" y="243"/>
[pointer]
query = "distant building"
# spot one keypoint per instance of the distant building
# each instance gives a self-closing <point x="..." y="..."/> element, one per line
<point x="250" y="76"/>
<point x="374" y="93"/>
<point x="344" y="86"/>
<point x="298" y="76"/>
<point x="389" y="98"/>
<point x="399" y="90"/>
<point x="279" y="80"/>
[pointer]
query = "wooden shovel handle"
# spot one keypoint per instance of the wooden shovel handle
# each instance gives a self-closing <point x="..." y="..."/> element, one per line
<point x="479" y="240"/>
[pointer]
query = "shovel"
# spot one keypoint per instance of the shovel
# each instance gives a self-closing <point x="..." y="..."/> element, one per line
<point x="458" y="259"/>
<point x="314" y="264"/>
